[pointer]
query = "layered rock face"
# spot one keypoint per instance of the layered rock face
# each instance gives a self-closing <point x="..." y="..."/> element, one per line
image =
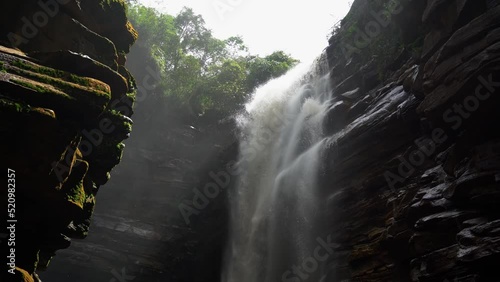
<point x="66" y="101"/>
<point x="138" y="232"/>
<point x="412" y="176"/>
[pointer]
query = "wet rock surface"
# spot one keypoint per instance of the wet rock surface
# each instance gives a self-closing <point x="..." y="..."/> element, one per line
<point x="421" y="162"/>
<point x="137" y="228"/>
<point x="61" y="131"/>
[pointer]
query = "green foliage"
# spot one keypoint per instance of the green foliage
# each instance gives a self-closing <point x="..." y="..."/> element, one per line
<point x="201" y="73"/>
<point x="224" y="87"/>
<point x="263" y="69"/>
<point x="235" y="46"/>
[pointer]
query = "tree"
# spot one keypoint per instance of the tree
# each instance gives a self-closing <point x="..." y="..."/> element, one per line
<point x="271" y="66"/>
<point x="224" y="87"/>
<point x="201" y="73"/>
<point x="236" y="47"/>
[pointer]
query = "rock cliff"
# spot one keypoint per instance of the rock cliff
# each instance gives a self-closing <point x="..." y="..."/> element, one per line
<point x="412" y="176"/>
<point x="138" y="232"/>
<point x="66" y="101"/>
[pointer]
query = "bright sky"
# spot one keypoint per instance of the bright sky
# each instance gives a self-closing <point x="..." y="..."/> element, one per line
<point x="298" y="27"/>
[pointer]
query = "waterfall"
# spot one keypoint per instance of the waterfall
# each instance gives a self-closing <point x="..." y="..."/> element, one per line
<point x="275" y="206"/>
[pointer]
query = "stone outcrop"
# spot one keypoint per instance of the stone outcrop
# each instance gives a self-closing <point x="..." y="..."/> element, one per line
<point x="412" y="177"/>
<point x="66" y="101"/>
<point x="137" y="228"/>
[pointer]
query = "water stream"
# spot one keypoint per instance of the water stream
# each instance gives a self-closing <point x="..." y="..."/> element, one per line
<point x="276" y="208"/>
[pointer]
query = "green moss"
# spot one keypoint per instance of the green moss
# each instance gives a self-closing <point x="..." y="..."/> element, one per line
<point x="76" y="194"/>
<point x="39" y="69"/>
<point x="12" y="106"/>
<point x="27" y="84"/>
<point x="69" y="77"/>
<point x="123" y="124"/>
<point x="48" y="97"/>
<point x="89" y="95"/>
<point x="132" y="95"/>
<point x="80" y="80"/>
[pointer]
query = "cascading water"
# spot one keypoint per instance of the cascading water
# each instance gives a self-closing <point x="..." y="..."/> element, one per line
<point x="276" y="210"/>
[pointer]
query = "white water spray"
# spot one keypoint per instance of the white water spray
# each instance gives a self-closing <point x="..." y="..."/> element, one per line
<point x="275" y="208"/>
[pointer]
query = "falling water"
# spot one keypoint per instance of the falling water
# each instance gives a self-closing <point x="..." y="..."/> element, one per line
<point x="275" y="212"/>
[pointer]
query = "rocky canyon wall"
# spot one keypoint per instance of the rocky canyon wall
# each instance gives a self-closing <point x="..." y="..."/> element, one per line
<point x="412" y="175"/>
<point x="138" y="232"/>
<point x="66" y="101"/>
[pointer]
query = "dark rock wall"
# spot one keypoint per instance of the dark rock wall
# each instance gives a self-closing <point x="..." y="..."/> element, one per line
<point x="412" y="176"/>
<point x="66" y="101"/>
<point x="138" y="230"/>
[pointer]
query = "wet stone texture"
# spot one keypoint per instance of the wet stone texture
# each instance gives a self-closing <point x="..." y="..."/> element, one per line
<point x="419" y="165"/>
<point x="65" y="106"/>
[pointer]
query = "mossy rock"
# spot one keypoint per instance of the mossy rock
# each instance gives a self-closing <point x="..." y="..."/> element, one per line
<point x="86" y="67"/>
<point x="68" y="95"/>
<point x="106" y="155"/>
<point x="76" y="195"/>
<point x="11" y="106"/>
<point x="103" y="159"/>
<point x="47" y="74"/>
<point x="73" y="189"/>
<point x="46" y="96"/>
<point x="83" y="89"/>
<point x="122" y="124"/>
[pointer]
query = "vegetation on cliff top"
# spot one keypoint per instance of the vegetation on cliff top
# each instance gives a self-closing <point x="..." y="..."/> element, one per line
<point x="200" y="73"/>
